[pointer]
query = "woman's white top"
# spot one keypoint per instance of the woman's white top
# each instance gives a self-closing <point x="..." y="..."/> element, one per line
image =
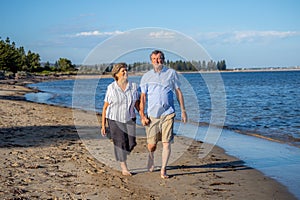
<point x="121" y="103"/>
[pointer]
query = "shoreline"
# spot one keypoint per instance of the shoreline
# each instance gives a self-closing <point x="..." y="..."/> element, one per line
<point x="239" y="131"/>
<point x="31" y="163"/>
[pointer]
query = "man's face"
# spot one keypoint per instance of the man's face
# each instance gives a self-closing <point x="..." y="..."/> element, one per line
<point x="157" y="60"/>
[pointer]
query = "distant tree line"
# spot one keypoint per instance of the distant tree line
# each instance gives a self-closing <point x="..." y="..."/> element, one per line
<point x="180" y="65"/>
<point x="183" y="66"/>
<point x="197" y="65"/>
<point x="14" y="59"/>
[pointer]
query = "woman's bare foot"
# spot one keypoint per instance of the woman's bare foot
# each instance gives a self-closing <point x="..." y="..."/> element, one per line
<point x="126" y="173"/>
<point x="124" y="168"/>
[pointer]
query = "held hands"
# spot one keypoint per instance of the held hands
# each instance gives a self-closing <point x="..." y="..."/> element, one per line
<point x="145" y="121"/>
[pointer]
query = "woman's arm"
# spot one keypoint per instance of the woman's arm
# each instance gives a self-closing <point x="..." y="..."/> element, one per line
<point x="103" y="131"/>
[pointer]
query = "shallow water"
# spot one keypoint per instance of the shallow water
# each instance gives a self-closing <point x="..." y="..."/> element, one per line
<point x="262" y="103"/>
<point x="276" y="160"/>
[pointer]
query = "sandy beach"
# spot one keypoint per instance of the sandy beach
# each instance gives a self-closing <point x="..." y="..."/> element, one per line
<point x="43" y="157"/>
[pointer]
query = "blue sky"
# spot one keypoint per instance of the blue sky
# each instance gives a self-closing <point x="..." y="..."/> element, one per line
<point x="249" y="33"/>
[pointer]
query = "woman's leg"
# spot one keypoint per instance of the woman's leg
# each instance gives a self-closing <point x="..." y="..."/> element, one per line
<point x="131" y="131"/>
<point x="120" y="140"/>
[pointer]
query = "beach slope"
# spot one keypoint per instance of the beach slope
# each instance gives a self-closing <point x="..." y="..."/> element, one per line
<point x="42" y="157"/>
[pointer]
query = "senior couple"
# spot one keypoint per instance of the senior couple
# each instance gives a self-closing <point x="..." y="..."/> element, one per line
<point x="122" y="97"/>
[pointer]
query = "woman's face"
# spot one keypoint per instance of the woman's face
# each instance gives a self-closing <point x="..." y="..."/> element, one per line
<point x="122" y="74"/>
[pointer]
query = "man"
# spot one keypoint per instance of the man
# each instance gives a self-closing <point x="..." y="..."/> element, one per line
<point x="157" y="87"/>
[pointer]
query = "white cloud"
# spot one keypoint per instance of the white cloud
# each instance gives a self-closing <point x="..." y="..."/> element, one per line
<point x="162" y="35"/>
<point x="97" y="33"/>
<point x="251" y="35"/>
<point x="246" y="36"/>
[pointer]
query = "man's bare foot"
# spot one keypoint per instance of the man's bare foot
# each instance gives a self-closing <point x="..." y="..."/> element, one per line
<point x="151" y="168"/>
<point x="150" y="165"/>
<point x="163" y="174"/>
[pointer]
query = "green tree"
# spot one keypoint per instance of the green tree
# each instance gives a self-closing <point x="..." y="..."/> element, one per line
<point x="22" y="59"/>
<point x="47" y="66"/>
<point x="14" y="59"/>
<point x="9" y="56"/>
<point x="33" y="62"/>
<point x="3" y="61"/>
<point x="221" y="65"/>
<point x="63" y="64"/>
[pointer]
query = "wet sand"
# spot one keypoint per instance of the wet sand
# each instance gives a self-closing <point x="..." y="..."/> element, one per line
<point x="44" y="157"/>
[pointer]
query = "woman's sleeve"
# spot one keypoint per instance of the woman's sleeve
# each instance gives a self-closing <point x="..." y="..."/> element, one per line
<point x="107" y="97"/>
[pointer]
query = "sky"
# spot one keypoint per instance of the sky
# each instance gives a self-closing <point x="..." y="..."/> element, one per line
<point x="248" y="33"/>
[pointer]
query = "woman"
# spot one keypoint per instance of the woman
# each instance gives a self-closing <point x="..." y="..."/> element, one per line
<point x="120" y="100"/>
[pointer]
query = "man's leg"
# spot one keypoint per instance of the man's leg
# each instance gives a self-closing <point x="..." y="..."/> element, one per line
<point x="151" y="149"/>
<point x="167" y="138"/>
<point x="152" y="131"/>
<point x="166" y="151"/>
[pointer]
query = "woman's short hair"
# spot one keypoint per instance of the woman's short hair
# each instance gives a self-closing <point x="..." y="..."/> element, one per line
<point x="116" y="68"/>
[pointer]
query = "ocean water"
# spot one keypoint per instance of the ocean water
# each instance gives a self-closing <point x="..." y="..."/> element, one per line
<point x="257" y="103"/>
<point x="220" y="107"/>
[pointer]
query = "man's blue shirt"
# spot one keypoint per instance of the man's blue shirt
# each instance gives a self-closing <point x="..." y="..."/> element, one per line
<point x="159" y="88"/>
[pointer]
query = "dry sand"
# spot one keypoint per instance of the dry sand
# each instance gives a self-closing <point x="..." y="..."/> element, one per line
<point x="43" y="157"/>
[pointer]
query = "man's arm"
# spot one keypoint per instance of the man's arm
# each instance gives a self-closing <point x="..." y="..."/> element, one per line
<point x="181" y="103"/>
<point x="144" y="119"/>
